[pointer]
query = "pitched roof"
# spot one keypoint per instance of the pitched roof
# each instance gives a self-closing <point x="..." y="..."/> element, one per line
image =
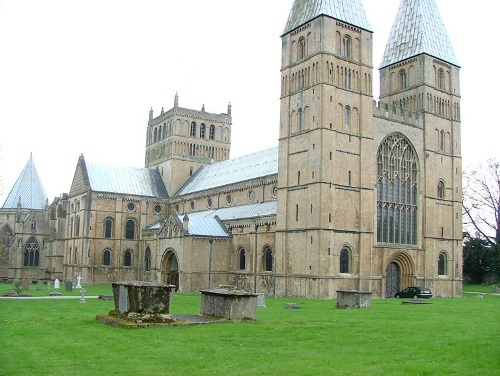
<point x="211" y="227"/>
<point x="28" y="190"/>
<point x="117" y="179"/>
<point x="257" y="210"/>
<point x="250" y="166"/>
<point x="418" y="29"/>
<point x="350" y="11"/>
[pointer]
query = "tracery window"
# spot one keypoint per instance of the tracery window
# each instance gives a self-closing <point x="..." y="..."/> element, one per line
<point x="202" y="131"/>
<point x="193" y="130"/>
<point x="31" y="253"/>
<point x="397" y="177"/>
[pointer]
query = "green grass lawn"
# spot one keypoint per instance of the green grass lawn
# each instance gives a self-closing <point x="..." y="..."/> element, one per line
<point x="447" y="337"/>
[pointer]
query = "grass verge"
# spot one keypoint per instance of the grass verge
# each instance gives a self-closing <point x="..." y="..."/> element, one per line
<point x="447" y="337"/>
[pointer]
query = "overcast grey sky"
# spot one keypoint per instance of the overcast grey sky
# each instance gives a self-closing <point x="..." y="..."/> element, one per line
<point x="79" y="76"/>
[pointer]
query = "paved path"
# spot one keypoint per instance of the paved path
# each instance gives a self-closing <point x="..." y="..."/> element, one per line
<point x="47" y="297"/>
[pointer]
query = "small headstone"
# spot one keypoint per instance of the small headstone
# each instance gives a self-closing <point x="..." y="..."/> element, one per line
<point x="82" y="299"/>
<point x="79" y="282"/>
<point x="48" y="285"/>
<point x="69" y="286"/>
<point x="494" y="288"/>
<point x="292" y="306"/>
<point x="39" y="286"/>
<point x="25" y="285"/>
<point x="56" y="284"/>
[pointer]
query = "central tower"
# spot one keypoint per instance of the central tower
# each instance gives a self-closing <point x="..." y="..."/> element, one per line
<point x="325" y="214"/>
<point x="181" y="140"/>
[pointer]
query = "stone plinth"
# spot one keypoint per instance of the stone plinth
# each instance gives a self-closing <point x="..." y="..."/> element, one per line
<point x="142" y="297"/>
<point x="354" y="299"/>
<point x="229" y="304"/>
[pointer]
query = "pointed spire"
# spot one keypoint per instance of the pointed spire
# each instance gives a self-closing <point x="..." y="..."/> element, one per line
<point x="418" y="29"/>
<point x="176" y="100"/>
<point x="349" y="11"/>
<point x="151" y="114"/>
<point x="28" y="191"/>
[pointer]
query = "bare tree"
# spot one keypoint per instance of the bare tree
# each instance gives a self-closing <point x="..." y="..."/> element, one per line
<point x="481" y="203"/>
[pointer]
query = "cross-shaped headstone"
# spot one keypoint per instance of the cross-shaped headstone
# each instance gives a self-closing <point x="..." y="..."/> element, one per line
<point x="82" y="299"/>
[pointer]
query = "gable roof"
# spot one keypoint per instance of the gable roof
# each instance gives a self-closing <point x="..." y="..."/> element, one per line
<point x="418" y="29"/>
<point x="251" y="166"/>
<point x="117" y="179"/>
<point x="28" y="190"/>
<point x="350" y="11"/>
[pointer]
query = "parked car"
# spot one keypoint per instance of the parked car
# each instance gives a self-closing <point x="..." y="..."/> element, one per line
<point x="414" y="292"/>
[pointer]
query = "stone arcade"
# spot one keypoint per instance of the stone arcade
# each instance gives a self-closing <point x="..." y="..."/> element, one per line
<point x="358" y="195"/>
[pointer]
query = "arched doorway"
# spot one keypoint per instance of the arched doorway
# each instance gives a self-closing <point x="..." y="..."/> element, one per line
<point x="392" y="280"/>
<point x="399" y="274"/>
<point x="170" y="269"/>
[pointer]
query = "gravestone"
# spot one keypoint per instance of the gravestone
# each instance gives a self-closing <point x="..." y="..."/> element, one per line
<point x="39" y="286"/>
<point x="48" y="285"/>
<point x="25" y="285"/>
<point x="78" y="282"/>
<point x="56" y="284"/>
<point x="69" y="286"/>
<point x="82" y="299"/>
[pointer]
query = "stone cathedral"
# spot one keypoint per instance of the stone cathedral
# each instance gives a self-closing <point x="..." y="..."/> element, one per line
<point x="359" y="194"/>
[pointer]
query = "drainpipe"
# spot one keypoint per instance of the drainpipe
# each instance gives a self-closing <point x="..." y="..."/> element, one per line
<point x="255" y="261"/>
<point x="211" y="242"/>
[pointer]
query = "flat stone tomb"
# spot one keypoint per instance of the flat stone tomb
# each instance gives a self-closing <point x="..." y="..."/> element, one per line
<point x="354" y="299"/>
<point x="229" y="304"/>
<point x="142" y="297"/>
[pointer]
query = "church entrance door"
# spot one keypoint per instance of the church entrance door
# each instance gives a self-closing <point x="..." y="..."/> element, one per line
<point x="392" y="280"/>
<point x="170" y="269"/>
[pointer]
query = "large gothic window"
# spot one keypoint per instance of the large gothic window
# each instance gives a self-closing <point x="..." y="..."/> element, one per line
<point x="31" y="253"/>
<point x="397" y="174"/>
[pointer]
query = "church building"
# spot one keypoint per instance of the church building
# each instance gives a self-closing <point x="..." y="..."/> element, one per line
<point x="357" y="195"/>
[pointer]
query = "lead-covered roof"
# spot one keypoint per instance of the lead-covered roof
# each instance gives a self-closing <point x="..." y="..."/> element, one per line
<point x="27" y="191"/>
<point x="417" y="29"/>
<point x="255" y="165"/>
<point x="349" y="11"/>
